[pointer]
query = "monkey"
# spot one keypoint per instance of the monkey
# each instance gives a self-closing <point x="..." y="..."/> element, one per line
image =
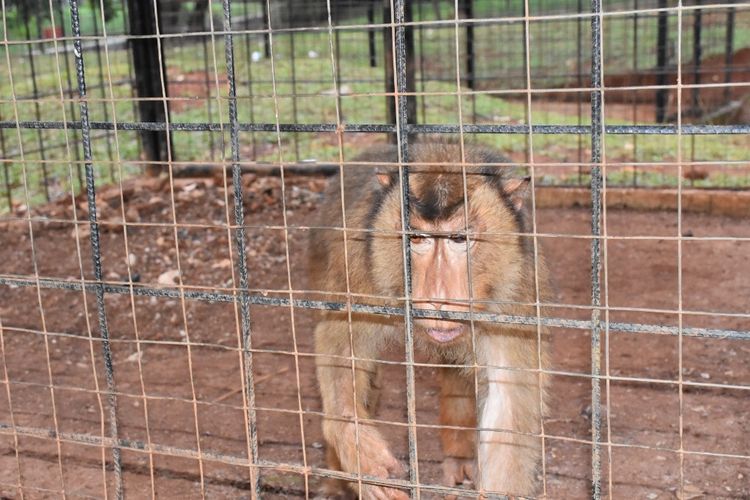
<point x="468" y="252"/>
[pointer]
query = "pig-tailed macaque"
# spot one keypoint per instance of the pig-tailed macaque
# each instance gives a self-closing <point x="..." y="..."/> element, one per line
<point x="492" y="439"/>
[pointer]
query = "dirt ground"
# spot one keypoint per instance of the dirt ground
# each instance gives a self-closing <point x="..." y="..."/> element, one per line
<point x="184" y="388"/>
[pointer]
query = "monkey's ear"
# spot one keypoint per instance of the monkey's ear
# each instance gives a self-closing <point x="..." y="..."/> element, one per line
<point x="518" y="190"/>
<point x="385" y="178"/>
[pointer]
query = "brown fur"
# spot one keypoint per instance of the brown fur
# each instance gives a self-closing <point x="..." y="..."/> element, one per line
<point x="502" y="281"/>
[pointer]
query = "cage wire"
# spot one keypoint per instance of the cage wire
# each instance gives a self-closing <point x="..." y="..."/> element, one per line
<point x="179" y="145"/>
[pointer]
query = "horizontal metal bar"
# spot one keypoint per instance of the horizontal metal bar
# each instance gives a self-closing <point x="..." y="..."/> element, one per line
<point x="261" y="300"/>
<point x="383" y="128"/>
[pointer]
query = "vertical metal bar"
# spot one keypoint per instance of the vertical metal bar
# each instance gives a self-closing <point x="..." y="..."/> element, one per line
<point x="6" y="166"/>
<point x="526" y="35"/>
<point x="207" y="86"/>
<point x="102" y="88"/>
<point x="337" y="42"/>
<point x="389" y="58"/>
<point x="662" y="26"/>
<point x="579" y="83"/>
<point x="729" y="53"/>
<point x="371" y="33"/>
<point x="95" y="245"/>
<point x="293" y="67"/>
<point x="468" y="6"/>
<point x="405" y="112"/>
<point x="249" y="60"/>
<point x="680" y="346"/>
<point x="239" y="217"/>
<point x="420" y="60"/>
<point x="390" y="105"/>
<point x="597" y="127"/>
<point x="469" y="14"/>
<point x="35" y="94"/>
<point x="697" y="50"/>
<point x="131" y="75"/>
<point x="266" y="35"/>
<point x="69" y="90"/>
<point x="149" y="73"/>
<point x="635" y="94"/>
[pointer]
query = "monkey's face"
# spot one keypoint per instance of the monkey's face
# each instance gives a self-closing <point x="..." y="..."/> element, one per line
<point x="440" y="278"/>
<point x="463" y="256"/>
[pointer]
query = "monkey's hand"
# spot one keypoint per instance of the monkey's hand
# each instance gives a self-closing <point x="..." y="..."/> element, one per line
<point x="458" y="472"/>
<point x="375" y="459"/>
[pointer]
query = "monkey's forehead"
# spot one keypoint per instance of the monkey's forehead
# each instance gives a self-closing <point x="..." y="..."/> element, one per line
<point x="452" y="154"/>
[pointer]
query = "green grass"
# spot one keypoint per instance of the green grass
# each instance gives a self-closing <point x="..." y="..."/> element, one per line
<point x="315" y="103"/>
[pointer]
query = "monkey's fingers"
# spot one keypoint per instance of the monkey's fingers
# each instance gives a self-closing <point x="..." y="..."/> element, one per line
<point x="458" y="472"/>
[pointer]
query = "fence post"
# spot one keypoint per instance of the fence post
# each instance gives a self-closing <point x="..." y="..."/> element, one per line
<point x="469" y="14"/>
<point x="35" y="93"/>
<point x="266" y="27"/>
<point x="371" y="34"/>
<point x="148" y="77"/>
<point x="388" y="59"/>
<point x="597" y="187"/>
<point x="697" y="25"/>
<point x="729" y="54"/>
<point x="661" y="62"/>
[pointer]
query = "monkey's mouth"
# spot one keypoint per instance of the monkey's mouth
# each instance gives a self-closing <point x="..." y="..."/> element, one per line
<point x="443" y="335"/>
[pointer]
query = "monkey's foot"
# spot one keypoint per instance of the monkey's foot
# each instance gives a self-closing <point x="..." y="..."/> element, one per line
<point x="458" y="472"/>
<point x="374" y="459"/>
<point x="334" y="489"/>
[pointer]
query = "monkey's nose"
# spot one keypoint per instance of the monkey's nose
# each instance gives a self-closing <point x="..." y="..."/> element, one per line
<point x="439" y="304"/>
<point x="430" y="304"/>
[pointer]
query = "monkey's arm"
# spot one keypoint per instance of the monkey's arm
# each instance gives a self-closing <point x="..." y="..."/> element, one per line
<point x="508" y="454"/>
<point x="457" y="409"/>
<point x="359" y="448"/>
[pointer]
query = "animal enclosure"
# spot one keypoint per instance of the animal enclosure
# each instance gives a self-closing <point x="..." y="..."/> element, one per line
<point x="164" y="163"/>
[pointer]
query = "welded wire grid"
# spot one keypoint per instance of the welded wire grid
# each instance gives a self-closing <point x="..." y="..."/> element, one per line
<point x="234" y="121"/>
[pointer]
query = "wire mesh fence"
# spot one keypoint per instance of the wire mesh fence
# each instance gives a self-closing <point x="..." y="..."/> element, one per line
<point x="162" y="165"/>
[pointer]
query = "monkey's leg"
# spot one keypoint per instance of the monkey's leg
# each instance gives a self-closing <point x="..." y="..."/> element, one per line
<point x="508" y="454"/>
<point x="457" y="409"/>
<point x="358" y="447"/>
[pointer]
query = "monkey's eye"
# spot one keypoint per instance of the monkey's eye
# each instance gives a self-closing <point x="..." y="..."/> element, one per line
<point x="458" y="241"/>
<point x="419" y="239"/>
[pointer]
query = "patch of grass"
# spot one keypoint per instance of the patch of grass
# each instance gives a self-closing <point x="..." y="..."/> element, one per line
<point x="302" y="91"/>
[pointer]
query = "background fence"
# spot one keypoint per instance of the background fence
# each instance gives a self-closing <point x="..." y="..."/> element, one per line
<point x="639" y="70"/>
<point x="622" y="93"/>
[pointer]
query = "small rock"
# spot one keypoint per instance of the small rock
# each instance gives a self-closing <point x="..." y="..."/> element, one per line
<point x="222" y="264"/>
<point x="168" y="277"/>
<point x="132" y="214"/>
<point x="689" y="492"/>
<point x="133" y="357"/>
